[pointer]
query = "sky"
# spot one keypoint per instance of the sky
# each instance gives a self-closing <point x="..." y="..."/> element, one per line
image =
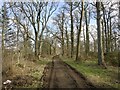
<point x="60" y="5"/>
<point x="92" y="21"/>
<point x="1" y="3"/>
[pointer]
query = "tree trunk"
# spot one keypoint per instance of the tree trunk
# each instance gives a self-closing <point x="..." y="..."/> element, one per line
<point x="99" y="34"/>
<point x="79" y="31"/>
<point x="87" y="34"/>
<point x="55" y="47"/>
<point x="119" y="41"/>
<point x="108" y="35"/>
<point x="67" y="37"/>
<point x="84" y="38"/>
<point x="3" y="39"/>
<point x="50" y="49"/>
<point x="111" y="46"/>
<point x="95" y="48"/>
<point x="3" y="29"/>
<point x="62" y="33"/>
<point x="100" y="47"/>
<point x="119" y="16"/>
<point x="36" y="45"/>
<point x="62" y="45"/>
<point x="72" y="33"/>
<point x="115" y="41"/>
<point x="103" y="38"/>
<point x="105" y="25"/>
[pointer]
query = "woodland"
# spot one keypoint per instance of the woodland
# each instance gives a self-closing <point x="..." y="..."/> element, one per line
<point x="85" y="35"/>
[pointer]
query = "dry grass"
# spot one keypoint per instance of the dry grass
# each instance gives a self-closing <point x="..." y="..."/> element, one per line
<point x="12" y="68"/>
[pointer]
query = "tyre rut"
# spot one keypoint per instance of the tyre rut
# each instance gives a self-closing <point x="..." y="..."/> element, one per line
<point x="60" y="75"/>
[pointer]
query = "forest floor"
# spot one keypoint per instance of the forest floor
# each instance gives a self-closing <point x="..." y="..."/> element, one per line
<point x="26" y="74"/>
<point x="100" y="77"/>
<point x="60" y="75"/>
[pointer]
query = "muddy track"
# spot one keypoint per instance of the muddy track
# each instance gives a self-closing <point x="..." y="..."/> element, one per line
<point x="58" y="74"/>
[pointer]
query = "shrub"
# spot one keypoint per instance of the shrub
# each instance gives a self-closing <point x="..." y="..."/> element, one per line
<point x="112" y="58"/>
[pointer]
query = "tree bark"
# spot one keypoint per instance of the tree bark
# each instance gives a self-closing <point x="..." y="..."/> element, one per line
<point x="111" y="45"/>
<point x="3" y="28"/>
<point x="103" y="38"/>
<point x="62" y="33"/>
<point x="72" y="33"/>
<point x="99" y="34"/>
<point x="79" y="31"/>
<point x="87" y="34"/>
<point x="100" y="47"/>
<point x="36" y="44"/>
<point x="67" y="37"/>
<point x="84" y="38"/>
<point x="105" y="25"/>
<point x="108" y="33"/>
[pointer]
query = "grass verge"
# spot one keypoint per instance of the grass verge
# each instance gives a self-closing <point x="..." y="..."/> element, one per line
<point x="105" y="78"/>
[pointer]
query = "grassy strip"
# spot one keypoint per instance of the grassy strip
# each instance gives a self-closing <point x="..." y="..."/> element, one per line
<point x="98" y="76"/>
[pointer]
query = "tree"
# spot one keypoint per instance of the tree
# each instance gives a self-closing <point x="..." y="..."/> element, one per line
<point x="87" y="21"/>
<point x="3" y="26"/>
<point x="105" y="27"/>
<point x="71" y="7"/>
<point x="99" y="37"/>
<point x="8" y="34"/>
<point x="72" y="33"/>
<point x="37" y="14"/>
<point x="62" y="32"/>
<point x="60" y="20"/>
<point x="79" y="31"/>
<point x="67" y="39"/>
<point x="23" y="26"/>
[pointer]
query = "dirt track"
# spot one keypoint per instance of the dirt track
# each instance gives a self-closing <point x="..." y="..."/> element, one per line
<point x="60" y="75"/>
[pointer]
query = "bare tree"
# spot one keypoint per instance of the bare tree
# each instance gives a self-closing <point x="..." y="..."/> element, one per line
<point x="37" y="14"/>
<point x="72" y="33"/>
<point x="99" y="37"/>
<point x="67" y="39"/>
<point x="87" y="21"/>
<point x="60" y="20"/>
<point x="79" y="31"/>
<point x="71" y="7"/>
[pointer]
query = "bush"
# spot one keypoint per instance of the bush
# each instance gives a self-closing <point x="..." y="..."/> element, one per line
<point x="112" y="58"/>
